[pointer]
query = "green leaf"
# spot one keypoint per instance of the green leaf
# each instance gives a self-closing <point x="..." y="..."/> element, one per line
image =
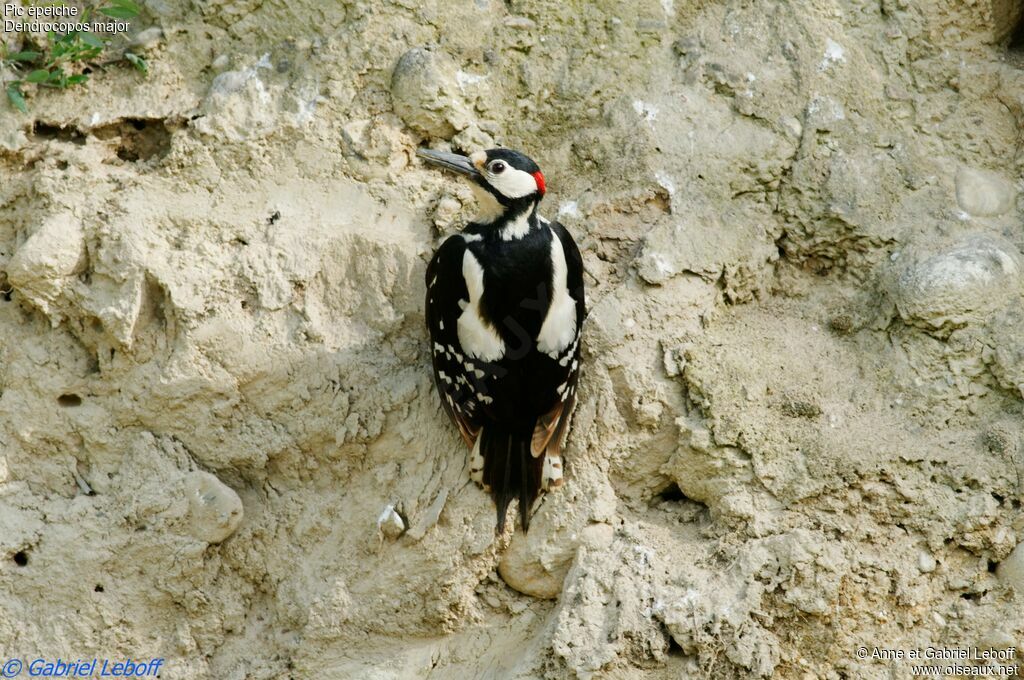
<point x="119" y="12"/>
<point x="40" y="75"/>
<point x="138" y="62"/>
<point x="77" y="80"/>
<point x="16" y="98"/>
<point x="92" y="40"/>
<point x="126" y="5"/>
<point x="27" y="55"/>
<point x="58" y="78"/>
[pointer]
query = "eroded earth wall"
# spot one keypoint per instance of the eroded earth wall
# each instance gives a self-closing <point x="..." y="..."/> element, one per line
<point x="800" y="422"/>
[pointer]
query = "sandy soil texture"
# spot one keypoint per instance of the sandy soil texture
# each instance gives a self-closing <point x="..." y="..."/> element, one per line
<point x="802" y="413"/>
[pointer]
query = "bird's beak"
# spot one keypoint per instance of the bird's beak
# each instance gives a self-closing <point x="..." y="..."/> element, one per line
<point x="450" y="161"/>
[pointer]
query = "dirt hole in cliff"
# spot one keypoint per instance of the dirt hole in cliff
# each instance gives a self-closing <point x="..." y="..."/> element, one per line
<point x="133" y="139"/>
<point x="69" y="400"/>
<point x="1016" y="46"/>
<point x="137" y="139"/>
<point x="671" y="493"/>
<point x="20" y="558"/>
<point x="98" y="588"/>
<point x="70" y="135"/>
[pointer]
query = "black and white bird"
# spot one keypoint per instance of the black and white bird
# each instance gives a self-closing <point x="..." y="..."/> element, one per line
<point x="505" y="309"/>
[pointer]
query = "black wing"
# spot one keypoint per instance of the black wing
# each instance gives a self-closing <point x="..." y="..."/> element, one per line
<point x="454" y="372"/>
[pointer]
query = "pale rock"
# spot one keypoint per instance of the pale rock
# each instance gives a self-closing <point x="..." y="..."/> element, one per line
<point x="958" y="285"/>
<point x="390" y="523"/>
<point x="1011" y="569"/>
<point x="44" y="265"/>
<point x="215" y="510"/>
<point x="426" y="94"/>
<point x="982" y="193"/>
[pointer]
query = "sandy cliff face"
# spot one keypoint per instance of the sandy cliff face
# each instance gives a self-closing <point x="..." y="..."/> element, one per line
<point x="801" y="421"/>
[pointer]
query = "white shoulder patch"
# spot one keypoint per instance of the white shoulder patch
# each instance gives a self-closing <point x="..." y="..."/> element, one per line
<point x="559" y="327"/>
<point x="478" y="338"/>
<point x="517" y="228"/>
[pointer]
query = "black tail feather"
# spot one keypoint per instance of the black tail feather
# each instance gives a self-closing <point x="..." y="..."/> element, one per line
<point x="510" y="470"/>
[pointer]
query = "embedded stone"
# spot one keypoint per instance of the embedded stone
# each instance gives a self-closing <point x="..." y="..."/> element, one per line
<point x="215" y="510"/>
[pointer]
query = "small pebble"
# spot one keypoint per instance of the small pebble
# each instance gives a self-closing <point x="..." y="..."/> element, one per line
<point x="147" y="39"/>
<point x="390" y="523"/>
<point x="520" y="23"/>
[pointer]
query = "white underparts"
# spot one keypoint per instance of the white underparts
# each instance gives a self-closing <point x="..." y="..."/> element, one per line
<point x="478" y="338"/>
<point x="559" y="327"/>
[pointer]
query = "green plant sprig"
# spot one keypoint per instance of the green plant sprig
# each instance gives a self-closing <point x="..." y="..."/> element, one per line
<point x="60" y="61"/>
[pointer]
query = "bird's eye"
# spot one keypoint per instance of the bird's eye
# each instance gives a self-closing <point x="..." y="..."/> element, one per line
<point x="497" y="167"/>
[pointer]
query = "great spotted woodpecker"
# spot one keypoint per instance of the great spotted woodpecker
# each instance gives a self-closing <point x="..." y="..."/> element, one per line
<point x="505" y="309"/>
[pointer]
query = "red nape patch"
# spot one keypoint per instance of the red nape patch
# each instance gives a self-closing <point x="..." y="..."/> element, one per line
<point x="539" y="177"/>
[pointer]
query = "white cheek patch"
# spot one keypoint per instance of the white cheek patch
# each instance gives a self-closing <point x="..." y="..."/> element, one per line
<point x="513" y="183"/>
<point x="478" y="338"/>
<point x="559" y="327"/>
